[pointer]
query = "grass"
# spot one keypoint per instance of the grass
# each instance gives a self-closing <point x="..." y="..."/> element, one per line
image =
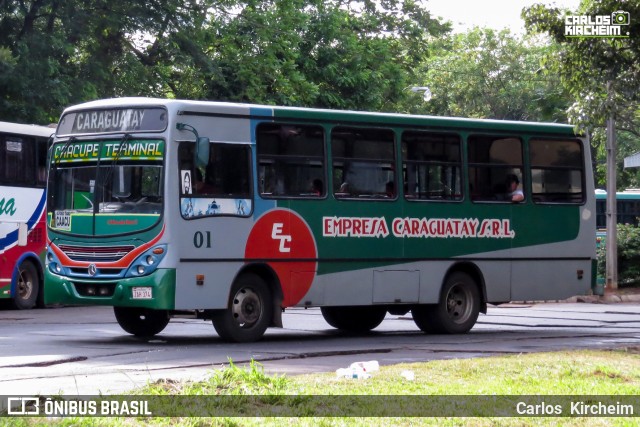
<point x="248" y="390"/>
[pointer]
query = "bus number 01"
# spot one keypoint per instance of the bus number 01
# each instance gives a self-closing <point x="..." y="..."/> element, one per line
<point x="200" y="240"/>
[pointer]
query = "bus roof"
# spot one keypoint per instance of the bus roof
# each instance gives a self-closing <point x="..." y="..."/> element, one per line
<point x="20" y="129"/>
<point x="339" y="116"/>
<point x="629" y="194"/>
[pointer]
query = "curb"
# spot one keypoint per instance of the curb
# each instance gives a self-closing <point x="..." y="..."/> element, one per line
<point x="606" y="299"/>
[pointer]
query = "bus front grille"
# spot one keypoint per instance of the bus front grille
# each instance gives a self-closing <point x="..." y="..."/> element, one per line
<point x="96" y="253"/>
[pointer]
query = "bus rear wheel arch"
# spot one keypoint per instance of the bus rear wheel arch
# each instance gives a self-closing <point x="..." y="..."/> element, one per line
<point x="457" y="309"/>
<point x="141" y="322"/>
<point x="354" y="318"/>
<point x="249" y="311"/>
<point x="28" y="286"/>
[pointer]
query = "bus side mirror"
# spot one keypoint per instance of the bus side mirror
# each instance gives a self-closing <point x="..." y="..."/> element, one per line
<point x="23" y="232"/>
<point x="202" y="151"/>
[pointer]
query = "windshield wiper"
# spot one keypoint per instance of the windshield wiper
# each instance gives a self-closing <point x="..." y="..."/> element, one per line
<point x="64" y="148"/>
<point x="88" y="200"/>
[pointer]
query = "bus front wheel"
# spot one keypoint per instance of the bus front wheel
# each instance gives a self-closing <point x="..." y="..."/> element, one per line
<point x="354" y="319"/>
<point x="249" y="311"/>
<point x="457" y="310"/>
<point x="141" y="322"/>
<point x="27" y="287"/>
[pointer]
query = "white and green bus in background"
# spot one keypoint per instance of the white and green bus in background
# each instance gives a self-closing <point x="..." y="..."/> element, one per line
<point x="233" y="213"/>
<point x="627" y="210"/>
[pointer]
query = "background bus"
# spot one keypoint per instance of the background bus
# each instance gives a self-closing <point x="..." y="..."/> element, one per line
<point x="235" y="212"/>
<point x="23" y="172"/>
<point x="627" y="210"/>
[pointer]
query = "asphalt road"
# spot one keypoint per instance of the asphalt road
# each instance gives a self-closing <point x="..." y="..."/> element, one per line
<point x="82" y="350"/>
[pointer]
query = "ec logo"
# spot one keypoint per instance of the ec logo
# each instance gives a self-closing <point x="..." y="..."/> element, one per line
<point x="282" y="237"/>
<point x="276" y="234"/>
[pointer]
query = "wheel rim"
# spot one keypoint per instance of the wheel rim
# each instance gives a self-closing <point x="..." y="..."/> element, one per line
<point x="25" y="285"/>
<point x="459" y="303"/>
<point x="246" y="308"/>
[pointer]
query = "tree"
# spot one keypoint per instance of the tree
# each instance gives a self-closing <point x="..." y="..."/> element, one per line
<point x="339" y="54"/>
<point x="331" y="54"/>
<point x="58" y="53"/>
<point x="602" y="74"/>
<point x="491" y="74"/>
<point x="587" y="65"/>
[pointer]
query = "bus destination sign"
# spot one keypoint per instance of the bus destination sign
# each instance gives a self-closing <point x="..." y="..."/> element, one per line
<point x="108" y="150"/>
<point x="113" y="121"/>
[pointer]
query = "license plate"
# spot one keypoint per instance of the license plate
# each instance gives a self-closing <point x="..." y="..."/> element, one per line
<point x="63" y="220"/>
<point x="142" y="293"/>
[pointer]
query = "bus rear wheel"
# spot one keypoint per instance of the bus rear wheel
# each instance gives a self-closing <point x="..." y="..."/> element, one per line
<point x="141" y="322"/>
<point x="249" y="311"/>
<point x="457" y="310"/>
<point x="354" y="319"/>
<point x="27" y="287"/>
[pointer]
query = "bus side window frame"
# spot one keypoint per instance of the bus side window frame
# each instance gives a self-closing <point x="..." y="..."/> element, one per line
<point x="457" y="191"/>
<point x="185" y="162"/>
<point x="542" y="198"/>
<point x="294" y="139"/>
<point x="387" y="187"/>
<point x="497" y="192"/>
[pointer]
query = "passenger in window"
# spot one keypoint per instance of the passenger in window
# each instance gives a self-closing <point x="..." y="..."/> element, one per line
<point x="200" y="186"/>
<point x="514" y="193"/>
<point x="317" y="188"/>
<point x="343" y="191"/>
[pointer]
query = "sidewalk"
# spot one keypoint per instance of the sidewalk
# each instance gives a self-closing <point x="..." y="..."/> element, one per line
<point x="611" y="296"/>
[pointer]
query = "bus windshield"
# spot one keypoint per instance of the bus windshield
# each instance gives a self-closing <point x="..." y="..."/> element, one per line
<point x="118" y="192"/>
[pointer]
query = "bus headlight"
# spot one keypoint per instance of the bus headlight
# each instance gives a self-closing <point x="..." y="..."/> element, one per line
<point x="148" y="262"/>
<point x="53" y="263"/>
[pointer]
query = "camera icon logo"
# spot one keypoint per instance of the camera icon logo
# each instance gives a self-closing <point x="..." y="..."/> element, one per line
<point x="620" y="17"/>
<point x="23" y="406"/>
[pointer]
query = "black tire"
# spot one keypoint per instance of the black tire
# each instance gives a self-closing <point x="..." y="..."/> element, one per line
<point x="141" y="322"/>
<point x="456" y="312"/>
<point x="27" y="287"/>
<point x="354" y="318"/>
<point x="249" y="312"/>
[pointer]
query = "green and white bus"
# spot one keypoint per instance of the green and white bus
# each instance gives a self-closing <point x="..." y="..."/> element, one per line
<point x="234" y="212"/>
<point x="627" y="209"/>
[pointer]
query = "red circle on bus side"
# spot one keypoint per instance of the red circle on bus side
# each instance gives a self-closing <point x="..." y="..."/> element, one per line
<point x="284" y="240"/>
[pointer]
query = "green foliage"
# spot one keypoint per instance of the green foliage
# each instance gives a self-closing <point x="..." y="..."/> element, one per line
<point x="628" y="255"/>
<point x="627" y="144"/>
<point x="230" y="380"/>
<point x="318" y="54"/>
<point x="587" y="67"/>
<point x="489" y="74"/>
<point x="290" y="52"/>
<point x="315" y="399"/>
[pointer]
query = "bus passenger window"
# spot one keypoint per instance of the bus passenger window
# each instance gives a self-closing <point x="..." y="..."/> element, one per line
<point x="18" y="161"/>
<point x="363" y="163"/>
<point x="431" y="166"/>
<point x="290" y="160"/>
<point x="492" y="162"/>
<point x="557" y="174"/>
<point x="227" y="175"/>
